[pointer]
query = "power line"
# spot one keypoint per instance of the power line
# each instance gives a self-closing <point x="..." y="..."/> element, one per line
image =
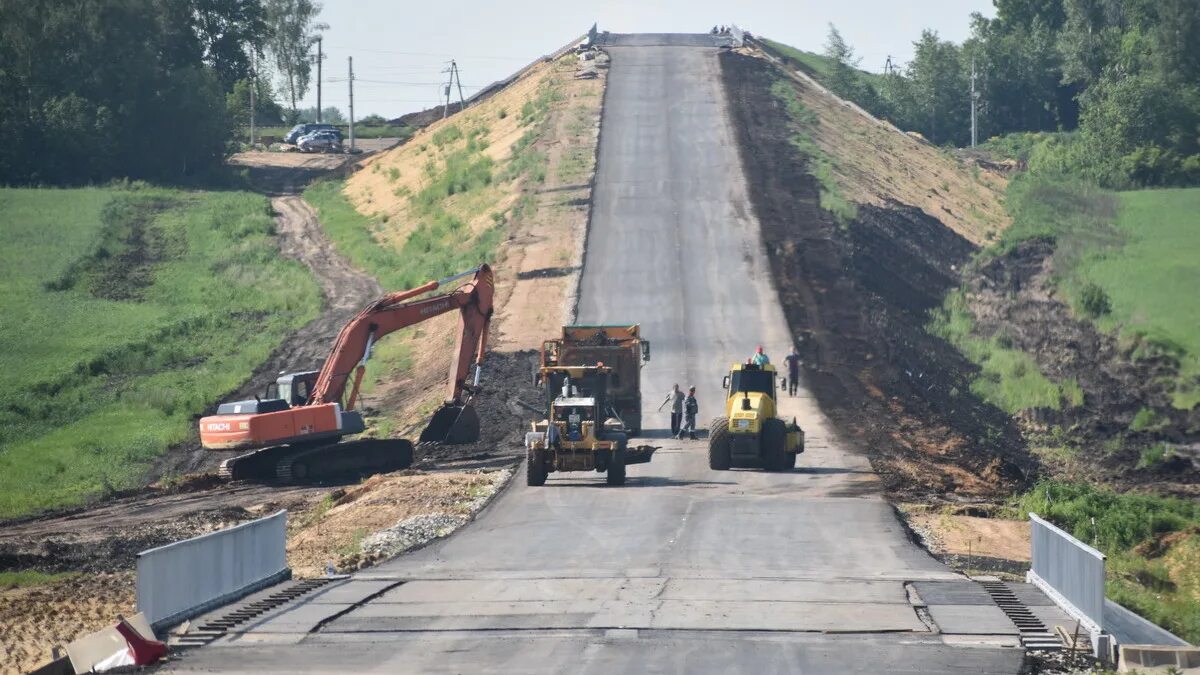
<point x="433" y="54"/>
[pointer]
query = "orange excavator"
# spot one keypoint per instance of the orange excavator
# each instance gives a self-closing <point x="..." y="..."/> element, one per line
<point x="295" y="432"/>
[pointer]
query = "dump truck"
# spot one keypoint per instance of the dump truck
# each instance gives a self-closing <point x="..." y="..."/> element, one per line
<point x="578" y="433"/>
<point x="619" y="347"/>
<point x="295" y="432"/>
<point x="750" y="433"/>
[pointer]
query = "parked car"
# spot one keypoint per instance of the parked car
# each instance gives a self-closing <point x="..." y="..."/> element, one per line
<point x="301" y="130"/>
<point x="320" y="141"/>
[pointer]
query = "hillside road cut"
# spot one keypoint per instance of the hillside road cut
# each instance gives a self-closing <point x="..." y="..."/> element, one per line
<point x="683" y="569"/>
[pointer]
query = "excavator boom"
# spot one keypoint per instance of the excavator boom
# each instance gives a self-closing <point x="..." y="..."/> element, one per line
<point x="329" y="414"/>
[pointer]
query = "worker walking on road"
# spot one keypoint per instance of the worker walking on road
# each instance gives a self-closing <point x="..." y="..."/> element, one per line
<point x="793" y="367"/>
<point x="760" y="357"/>
<point x="690" y="408"/>
<point x="675" y="398"/>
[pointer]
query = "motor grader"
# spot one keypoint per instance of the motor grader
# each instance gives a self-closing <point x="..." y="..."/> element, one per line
<point x="750" y="433"/>
<point x="581" y="430"/>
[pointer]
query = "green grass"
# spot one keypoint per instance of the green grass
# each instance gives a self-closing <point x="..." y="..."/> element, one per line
<point x="1158" y="581"/>
<point x="126" y="313"/>
<point x="26" y="578"/>
<point x="817" y="65"/>
<point x="820" y="165"/>
<point x="1152" y="280"/>
<point x="1009" y="378"/>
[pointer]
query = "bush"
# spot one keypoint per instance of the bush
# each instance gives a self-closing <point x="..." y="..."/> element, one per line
<point x="1094" y="301"/>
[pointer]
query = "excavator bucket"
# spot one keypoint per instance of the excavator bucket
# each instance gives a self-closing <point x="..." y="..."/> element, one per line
<point x="453" y="425"/>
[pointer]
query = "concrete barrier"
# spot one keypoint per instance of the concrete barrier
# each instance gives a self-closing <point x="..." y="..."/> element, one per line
<point x="1069" y="571"/>
<point x="181" y="580"/>
<point x="1156" y="659"/>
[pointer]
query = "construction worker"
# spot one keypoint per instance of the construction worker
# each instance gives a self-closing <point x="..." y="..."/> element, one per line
<point x="760" y="357"/>
<point x="690" y="408"/>
<point x="793" y="367"/>
<point x="675" y="398"/>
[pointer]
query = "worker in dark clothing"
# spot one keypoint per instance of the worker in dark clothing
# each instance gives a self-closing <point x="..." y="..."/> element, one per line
<point x="793" y="367"/>
<point x="675" y="398"/>
<point x="690" y="409"/>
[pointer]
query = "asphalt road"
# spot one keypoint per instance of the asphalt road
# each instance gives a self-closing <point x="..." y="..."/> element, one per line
<point x="684" y="569"/>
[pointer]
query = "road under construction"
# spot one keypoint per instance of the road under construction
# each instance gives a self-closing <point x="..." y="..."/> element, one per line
<point x="684" y="569"/>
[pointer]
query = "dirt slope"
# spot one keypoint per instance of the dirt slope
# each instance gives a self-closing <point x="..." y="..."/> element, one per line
<point x="547" y="121"/>
<point x="857" y="297"/>
<point x="877" y="164"/>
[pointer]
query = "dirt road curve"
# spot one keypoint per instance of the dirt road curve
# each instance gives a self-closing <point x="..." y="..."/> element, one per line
<point x="684" y="569"/>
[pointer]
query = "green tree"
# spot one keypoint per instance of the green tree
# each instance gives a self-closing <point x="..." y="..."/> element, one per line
<point x="940" y="90"/>
<point x="230" y="31"/>
<point x="266" y="110"/>
<point x="293" y="34"/>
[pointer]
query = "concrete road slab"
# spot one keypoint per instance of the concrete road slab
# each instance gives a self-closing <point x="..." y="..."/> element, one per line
<point x="972" y="620"/>
<point x="778" y="590"/>
<point x="670" y="652"/>
<point x="353" y="591"/>
<point x="516" y="590"/>
<point x="785" y="616"/>
<point x="961" y="592"/>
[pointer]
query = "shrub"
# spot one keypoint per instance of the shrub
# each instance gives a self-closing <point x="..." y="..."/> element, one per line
<point x="1094" y="301"/>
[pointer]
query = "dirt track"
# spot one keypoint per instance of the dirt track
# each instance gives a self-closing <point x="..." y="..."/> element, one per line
<point x="345" y="291"/>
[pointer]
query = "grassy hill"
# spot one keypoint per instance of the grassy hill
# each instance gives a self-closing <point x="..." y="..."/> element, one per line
<point x="127" y="311"/>
<point x="817" y="65"/>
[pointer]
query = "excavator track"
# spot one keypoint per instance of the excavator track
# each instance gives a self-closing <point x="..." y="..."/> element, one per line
<point x="318" y="462"/>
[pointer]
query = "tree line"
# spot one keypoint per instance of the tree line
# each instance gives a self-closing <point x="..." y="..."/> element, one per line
<point x="146" y="89"/>
<point x="1115" y="83"/>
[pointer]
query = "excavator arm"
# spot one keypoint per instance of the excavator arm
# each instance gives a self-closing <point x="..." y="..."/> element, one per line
<point x="398" y="310"/>
<point x="286" y="433"/>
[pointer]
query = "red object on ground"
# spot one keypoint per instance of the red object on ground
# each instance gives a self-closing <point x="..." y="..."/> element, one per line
<point x="144" y="651"/>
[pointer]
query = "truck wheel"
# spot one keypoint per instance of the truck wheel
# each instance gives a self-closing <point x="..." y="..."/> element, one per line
<point x="535" y="468"/>
<point x="616" y="466"/>
<point x="718" y="444"/>
<point x="774" y="445"/>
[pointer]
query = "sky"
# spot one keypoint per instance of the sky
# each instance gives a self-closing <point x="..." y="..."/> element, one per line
<point x="401" y="49"/>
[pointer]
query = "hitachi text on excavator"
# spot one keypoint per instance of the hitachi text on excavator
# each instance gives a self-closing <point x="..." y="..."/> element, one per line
<point x="295" y="431"/>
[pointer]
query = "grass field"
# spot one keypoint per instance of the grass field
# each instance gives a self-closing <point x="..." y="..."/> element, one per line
<point x="1153" y="280"/>
<point x="1129" y="261"/>
<point x="127" y="311"/>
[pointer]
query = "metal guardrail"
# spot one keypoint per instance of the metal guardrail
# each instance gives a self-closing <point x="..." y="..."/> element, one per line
<point x="181" y="580"/>
<point x="1069" y="571"/>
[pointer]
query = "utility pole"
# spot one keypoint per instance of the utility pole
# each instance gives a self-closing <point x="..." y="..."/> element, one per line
<point x="351" y="60"/>
<point x="454" y="79"/>
<point x="253" y="87"/>
<point x="457" y="79"/>
<point x="320" y="58"/>
<point x="974" y="105"/>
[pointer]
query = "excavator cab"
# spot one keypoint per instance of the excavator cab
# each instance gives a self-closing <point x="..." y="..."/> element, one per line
<point x="293" y="388"/>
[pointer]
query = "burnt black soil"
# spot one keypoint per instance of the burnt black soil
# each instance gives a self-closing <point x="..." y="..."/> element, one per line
<point x="858" y="298"/>
<point x="1013" y="298"/>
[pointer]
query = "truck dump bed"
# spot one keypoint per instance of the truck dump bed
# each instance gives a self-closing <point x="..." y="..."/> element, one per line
<point x="620" y="347"/>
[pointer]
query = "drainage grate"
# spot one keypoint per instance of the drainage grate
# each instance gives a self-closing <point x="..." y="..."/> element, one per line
<point x="1034" y="635"/>
<point x="215" y="628"/>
